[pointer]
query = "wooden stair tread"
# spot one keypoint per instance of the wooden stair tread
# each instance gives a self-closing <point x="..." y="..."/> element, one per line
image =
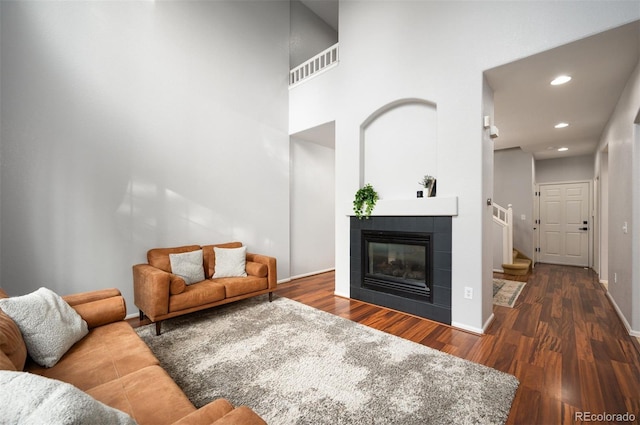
<point x="519" y="266"/>
<point x="522" y="261"/>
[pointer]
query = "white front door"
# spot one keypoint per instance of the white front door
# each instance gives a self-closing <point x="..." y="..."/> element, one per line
<point x="564" y="215"/>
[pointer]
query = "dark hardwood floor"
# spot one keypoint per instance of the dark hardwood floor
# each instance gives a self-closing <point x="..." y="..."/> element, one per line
<point x="562" y="340"/>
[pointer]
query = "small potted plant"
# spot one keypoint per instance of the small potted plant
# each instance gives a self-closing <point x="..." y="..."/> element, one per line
<point x="365" y="200"/>
<point x="429" y="184"/>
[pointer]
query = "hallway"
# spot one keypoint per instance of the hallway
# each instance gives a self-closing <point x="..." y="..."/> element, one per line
<point x="562" y="340"/>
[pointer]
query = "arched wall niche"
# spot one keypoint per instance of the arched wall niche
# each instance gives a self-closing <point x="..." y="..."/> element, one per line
<point x="398" y="146"/>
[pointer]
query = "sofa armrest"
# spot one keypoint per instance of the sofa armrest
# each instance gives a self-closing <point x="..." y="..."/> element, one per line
<point x="270" y="262"/>
<point x="151" y="290"/>
<point x="87" y="297"/>
<point x="98" y="308"/>
<point x="221" y="412"/>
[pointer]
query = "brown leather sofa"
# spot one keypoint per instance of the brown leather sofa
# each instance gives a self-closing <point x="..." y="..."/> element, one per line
<point x="113" y="365"/>
<point x="160" y="294"/>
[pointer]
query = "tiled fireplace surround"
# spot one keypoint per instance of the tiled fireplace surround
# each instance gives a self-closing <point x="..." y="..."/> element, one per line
<point x="439" y="227"/>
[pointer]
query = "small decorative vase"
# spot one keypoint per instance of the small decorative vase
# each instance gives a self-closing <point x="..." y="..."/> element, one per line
<point x="420" y="194"/>
<point x="431" y="190"/>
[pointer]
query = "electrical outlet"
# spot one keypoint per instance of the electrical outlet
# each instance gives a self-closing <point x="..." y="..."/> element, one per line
<point x="615" y="278"/>
<point x="468" y="292"/>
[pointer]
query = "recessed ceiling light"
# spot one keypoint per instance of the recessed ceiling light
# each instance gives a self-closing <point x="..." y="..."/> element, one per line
<point x="563" y="149"/>
<point x="561" y="125"/>
<point x="560" y="79"/>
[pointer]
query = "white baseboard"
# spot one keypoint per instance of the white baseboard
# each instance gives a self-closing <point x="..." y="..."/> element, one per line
<point x="488" y="323"/>
<point x="340" y="294"/>
<point x="468" y="328"/>
<point x="300" y="276"/>
<point x="605" y="283"/>
<point x="623" y="319"/>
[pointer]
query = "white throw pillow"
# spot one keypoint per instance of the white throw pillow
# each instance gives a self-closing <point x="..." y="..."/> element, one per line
<point x="230" y="262"/>
<point x="49" y="326"/>
<point x="188" y="265"/>
<point x="27" y="398"/>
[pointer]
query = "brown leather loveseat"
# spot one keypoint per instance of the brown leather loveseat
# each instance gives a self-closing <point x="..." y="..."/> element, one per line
<point x="160" y="292"/>
<point x="112" y="365"/>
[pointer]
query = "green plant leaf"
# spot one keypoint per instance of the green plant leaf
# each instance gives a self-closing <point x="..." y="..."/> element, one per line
<point x="364" y="202"/>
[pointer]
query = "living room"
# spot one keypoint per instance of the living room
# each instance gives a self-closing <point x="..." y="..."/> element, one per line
<point x="132" y="125"/>
<point x="105" y="136"/>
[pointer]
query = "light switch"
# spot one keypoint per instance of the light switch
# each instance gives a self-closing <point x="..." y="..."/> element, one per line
<point x="523" y="217"/>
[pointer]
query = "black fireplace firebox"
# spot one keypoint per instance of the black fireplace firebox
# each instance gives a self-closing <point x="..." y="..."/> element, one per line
<point x="397" y="263"/>
<point x="403" y="263"/>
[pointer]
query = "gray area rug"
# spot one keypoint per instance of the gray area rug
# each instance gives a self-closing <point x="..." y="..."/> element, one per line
<point x="294" y="364"/>
<point x="506" y="292"/>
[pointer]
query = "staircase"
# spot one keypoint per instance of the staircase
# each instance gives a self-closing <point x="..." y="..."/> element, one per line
<point x="513" y="261"/>
<point x="520" y="264"/>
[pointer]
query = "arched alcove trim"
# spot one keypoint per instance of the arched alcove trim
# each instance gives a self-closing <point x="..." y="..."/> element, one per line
<point x="377" y="114"/>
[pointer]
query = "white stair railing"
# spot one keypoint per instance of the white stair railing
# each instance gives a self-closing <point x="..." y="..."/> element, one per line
<point x="314" y="66"/>
<point x="504" y="217"/>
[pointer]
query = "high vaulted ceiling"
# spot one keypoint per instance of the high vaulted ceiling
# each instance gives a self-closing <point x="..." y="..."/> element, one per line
<point x="327" y="10"/>
<point x="527" y="107"/>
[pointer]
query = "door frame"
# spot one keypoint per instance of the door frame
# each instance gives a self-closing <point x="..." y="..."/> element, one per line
<point x="592" y="218"/>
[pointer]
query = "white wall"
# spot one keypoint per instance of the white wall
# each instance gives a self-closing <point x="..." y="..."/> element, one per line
<point x="0" y="150"/>
<point x="310" y="35"/>
<point x="399" y="147"/>
<point x="437" y="51"/>
<point x="635" y="227"/>
<point x="486" y="270"/>
<point x="572" y="168"/>
<point x="133" y="125"/>
<point x="620" y="138"/>
<point x="603" y="208"/>
<point x="513" y="184"/>
<point x="312" y="207"/>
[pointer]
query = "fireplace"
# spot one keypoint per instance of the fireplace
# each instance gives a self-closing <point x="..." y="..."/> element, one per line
<point x="403" y="263"/>
<point x="397" y="263"/>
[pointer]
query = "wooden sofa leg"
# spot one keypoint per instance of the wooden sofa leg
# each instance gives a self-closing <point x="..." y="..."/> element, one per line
<point x="270" y="296"/>
<point x="158" y="324"/>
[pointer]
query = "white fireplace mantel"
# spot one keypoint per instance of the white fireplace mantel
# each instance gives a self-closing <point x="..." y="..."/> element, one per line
<point x="435" y="206"/>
